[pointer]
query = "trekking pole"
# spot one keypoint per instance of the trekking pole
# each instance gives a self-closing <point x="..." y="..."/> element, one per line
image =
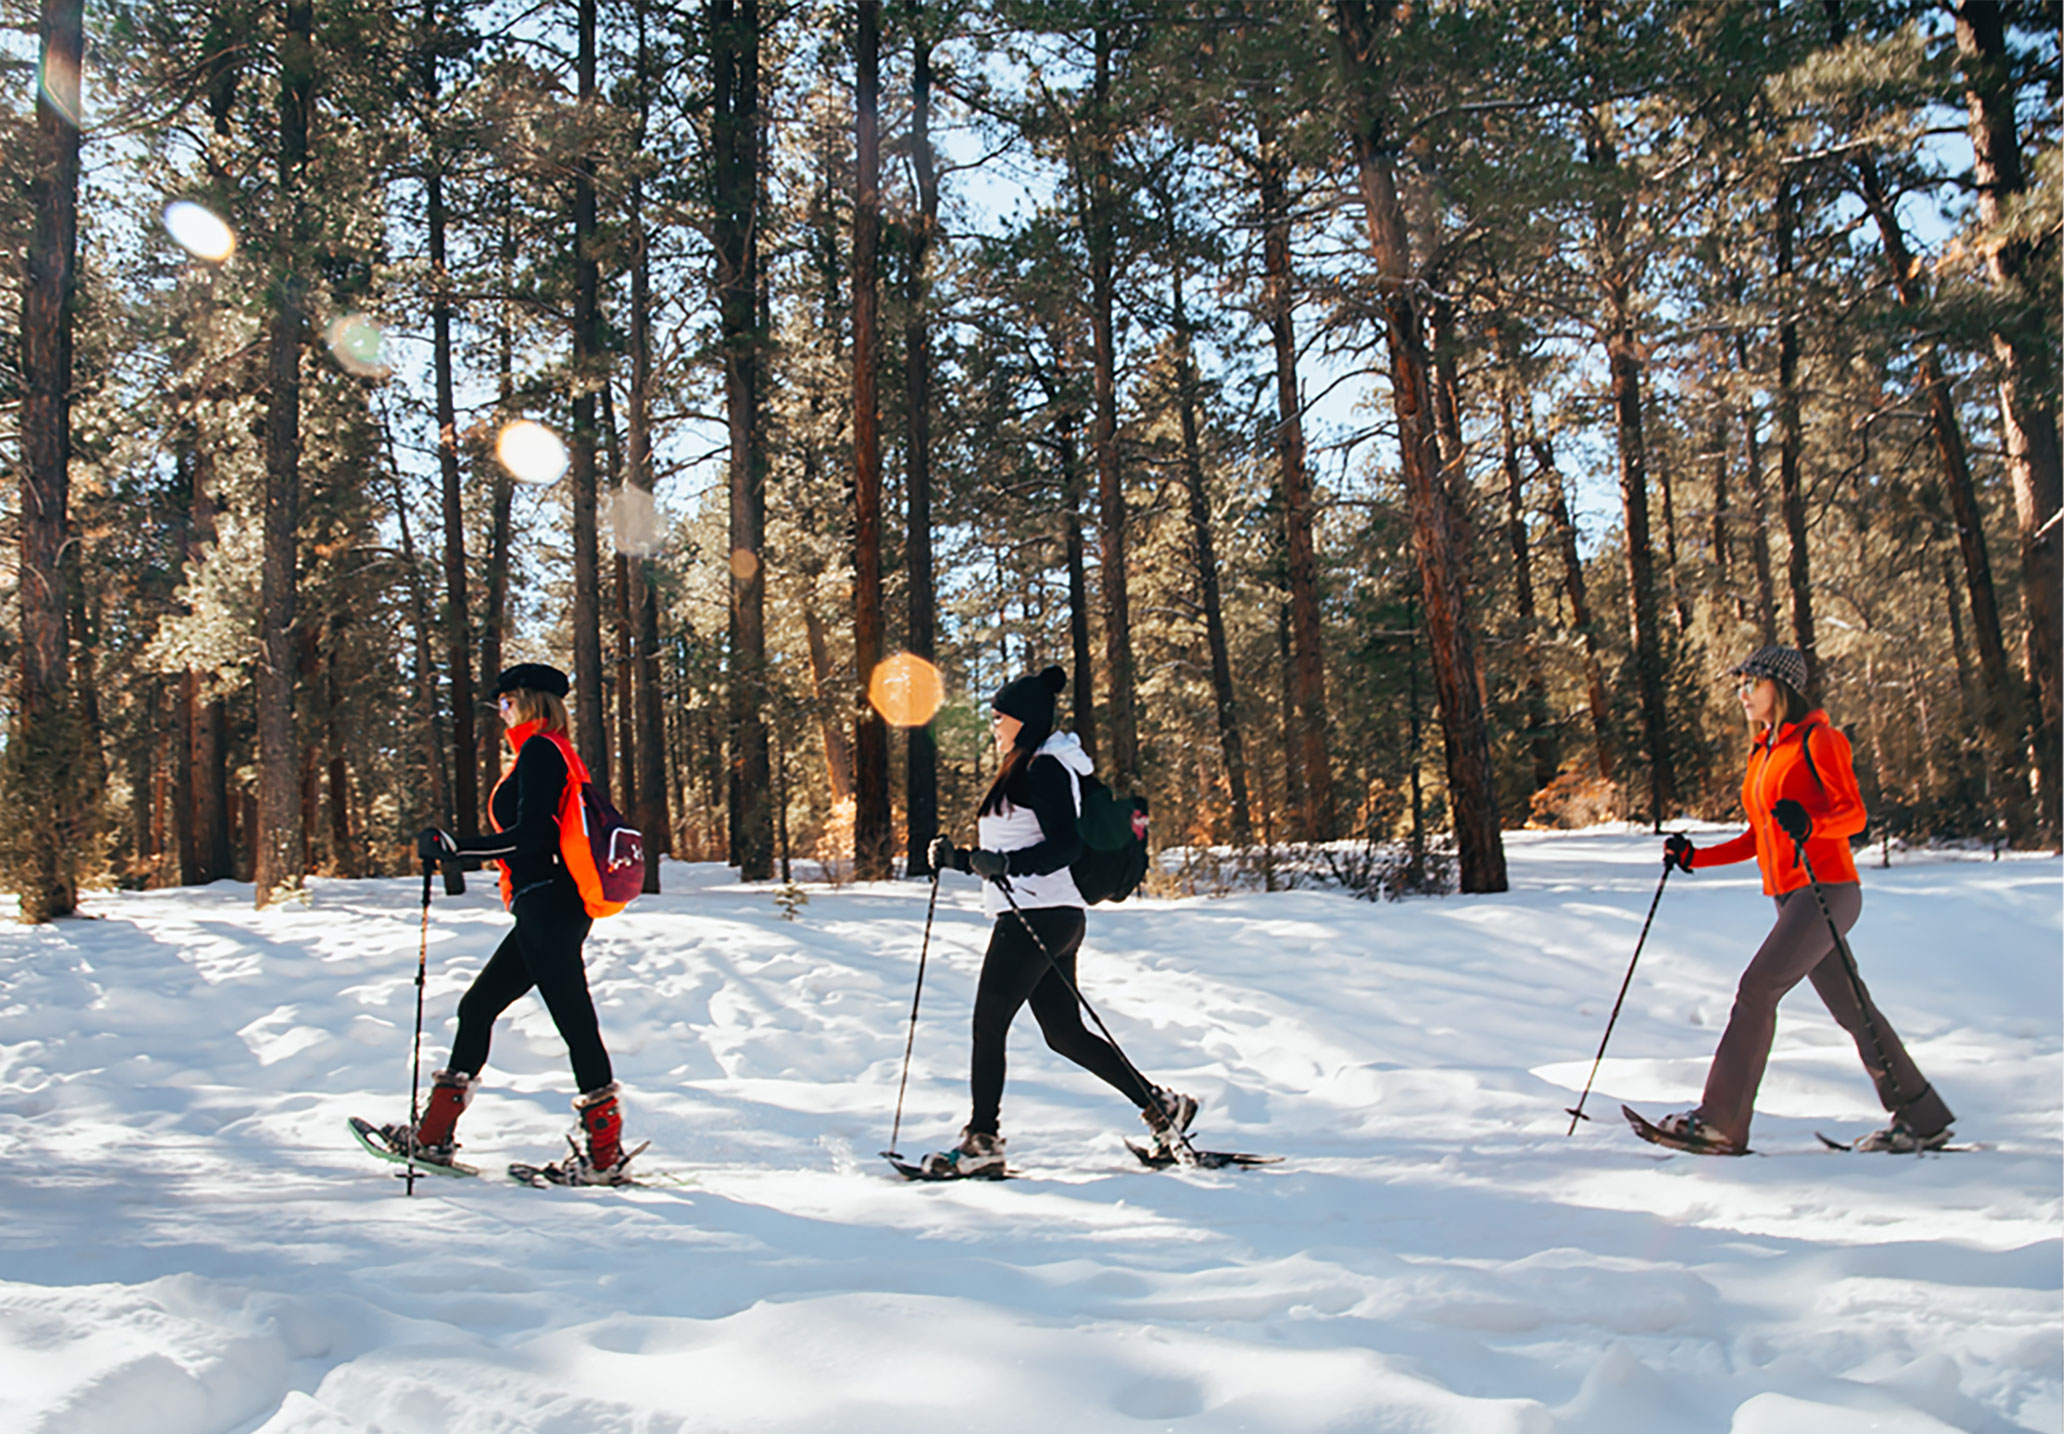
<point x="415" y="1094"/>
<point x="1146" y="1087"/>
<point x="924" y="949"/>
<point x="1863" y="1007"/>
<point x="1576" y="1112"/>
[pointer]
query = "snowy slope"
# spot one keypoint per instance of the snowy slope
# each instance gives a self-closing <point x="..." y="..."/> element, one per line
<point x="192" y="1245"/>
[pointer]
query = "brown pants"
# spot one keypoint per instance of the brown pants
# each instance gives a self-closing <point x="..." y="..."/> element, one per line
<point x="1800" y="945"/>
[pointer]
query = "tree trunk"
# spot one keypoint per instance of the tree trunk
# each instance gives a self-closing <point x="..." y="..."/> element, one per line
<point x="343" y="847"/>
<point x="1723" y="563"/>
<point x="921" y="749"/>
<point x="1320" y="820"/>
<point x="430" y="729"/>
<point x="458" y="609"/>
<point x="734" y="30"/>
<point x="1102" y="242"/>
<point x="1083" y="697"/>
<point x="1680" y="605"/>
<point x="43" y="731"/>
<point x="1790" y="442"/>
<point x="1472" y="789"/>
<point x="831" y="702"/>
<point x="2002" y="708"/>
<point x="494" y="617"/>
<point x="215" y="857"/>
<point x="590" y="726"/>
<point x="873" y="835"/>
<point x="650" y="780"/>
<point x="278" y="843"/>
<point x="1207" y="574"/>
<point x="1580" y="606"/>
<point x="2027" y="380"/>
<point x="1624" y="363"/>
<point x="1759" y="519"/>
<point x="1540" y="729"/>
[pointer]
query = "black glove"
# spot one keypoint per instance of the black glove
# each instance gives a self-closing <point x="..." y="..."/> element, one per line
<point x="434" y="844"/>
<point x="1677" y="850"/>
<point x="1792" y="818"/>
<point x="942" y="855"/>
<point x="989" y="865"/>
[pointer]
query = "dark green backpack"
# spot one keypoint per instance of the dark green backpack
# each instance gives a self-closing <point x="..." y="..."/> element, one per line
<point x="1114" y="844"/>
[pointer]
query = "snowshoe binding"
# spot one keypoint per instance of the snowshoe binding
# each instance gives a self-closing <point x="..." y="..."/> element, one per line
<point x="979" y="1156"/>
<point x="577" y="1169"/>
<point x="1898" y="1138"/>
<point x="1684" y="1131"/>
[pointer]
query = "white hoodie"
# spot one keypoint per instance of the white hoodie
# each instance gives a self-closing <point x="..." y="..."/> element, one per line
<point x="1015" y="828"/>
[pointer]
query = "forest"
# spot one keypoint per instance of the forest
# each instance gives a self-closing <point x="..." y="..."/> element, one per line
<point x="1397" y="416"/>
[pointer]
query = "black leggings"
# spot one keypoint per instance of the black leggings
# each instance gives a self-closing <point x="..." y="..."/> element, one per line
<point x="1015" y="972"/>
<point x="543" y="951"/>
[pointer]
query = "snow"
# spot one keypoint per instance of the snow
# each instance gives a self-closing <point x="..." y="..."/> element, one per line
<point x="193" y="1245"/>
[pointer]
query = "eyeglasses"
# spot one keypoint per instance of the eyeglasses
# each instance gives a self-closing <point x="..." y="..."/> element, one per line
<point x="1747" y="685"/>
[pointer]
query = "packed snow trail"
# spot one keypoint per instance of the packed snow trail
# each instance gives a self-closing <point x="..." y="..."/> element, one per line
<point x="194" y="1245"/>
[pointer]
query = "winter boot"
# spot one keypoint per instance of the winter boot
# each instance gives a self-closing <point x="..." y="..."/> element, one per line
<point x="1169" y="1118"/>
<point x="604" y="1161"/>
<point x="1899" y="1138"/>
<point x="978" y="1154"/>
<point x="433" y="1140"/>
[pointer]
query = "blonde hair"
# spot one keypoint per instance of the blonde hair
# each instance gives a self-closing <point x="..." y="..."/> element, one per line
<point x="534" y="706"/>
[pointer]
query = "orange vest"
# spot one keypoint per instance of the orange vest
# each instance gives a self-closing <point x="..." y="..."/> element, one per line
<point x="574" y="852"/>
<point x="1827" y="790"/>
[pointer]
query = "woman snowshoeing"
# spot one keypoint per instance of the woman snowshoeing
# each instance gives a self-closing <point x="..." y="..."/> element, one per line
<point x="1801" y="798"/>
<point x="1027" y="839"/>
<point x="544" y="948"/>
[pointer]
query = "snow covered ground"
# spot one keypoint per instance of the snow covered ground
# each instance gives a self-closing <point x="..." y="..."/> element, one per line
<point x="191" y="1244"/>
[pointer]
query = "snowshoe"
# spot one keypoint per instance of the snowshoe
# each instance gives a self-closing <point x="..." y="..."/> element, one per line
<point x="1898" y="1138"/>
<point x="979" y="1156"/>
<point x="1155" y="1157"/>
<point x="578" y="1169"/>
<point x="393" y="1142"/>
<point x="1685" y="1132"/>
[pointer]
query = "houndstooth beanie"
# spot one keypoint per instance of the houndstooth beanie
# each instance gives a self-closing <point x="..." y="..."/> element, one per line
<point x="1786" y="664"/>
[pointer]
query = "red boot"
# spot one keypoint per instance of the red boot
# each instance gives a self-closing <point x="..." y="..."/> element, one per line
<point x="450" y="1093"/>
<point x="601" y="1117"/>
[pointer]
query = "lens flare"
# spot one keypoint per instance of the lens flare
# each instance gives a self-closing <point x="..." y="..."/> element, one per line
<point x="634" y="518"/>
<point x="531" y="452"/>
<point x="199" y="232"/>
<point x="906" y="690"/>
<point x="355" y="340"/>
<point x="60" y="80"/>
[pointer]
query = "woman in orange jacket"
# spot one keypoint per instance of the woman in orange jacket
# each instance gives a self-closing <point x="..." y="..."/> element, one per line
<point x="1800" y="796"/>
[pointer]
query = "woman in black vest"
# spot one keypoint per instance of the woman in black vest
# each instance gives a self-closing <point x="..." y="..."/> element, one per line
<point x="543" y="951"/>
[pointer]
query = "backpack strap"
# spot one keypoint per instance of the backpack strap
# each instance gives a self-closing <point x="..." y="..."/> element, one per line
<point x="1806" y="751"/>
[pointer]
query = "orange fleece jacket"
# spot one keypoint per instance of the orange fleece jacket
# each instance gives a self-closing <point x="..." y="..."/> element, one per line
<point x="1777" y="770"/>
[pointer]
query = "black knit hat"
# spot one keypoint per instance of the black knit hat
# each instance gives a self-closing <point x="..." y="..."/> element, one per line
<point x="1031" y="701"/>
<point x="1786" y="664"/>
<point x="533" y="677"/>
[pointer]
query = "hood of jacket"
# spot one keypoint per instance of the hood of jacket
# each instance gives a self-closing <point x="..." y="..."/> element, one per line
<point x="1066" y="748"/>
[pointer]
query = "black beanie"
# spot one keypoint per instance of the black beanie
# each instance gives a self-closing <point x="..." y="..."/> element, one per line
<point x="533" y="677"/>
<point x="1031" y="701"/>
